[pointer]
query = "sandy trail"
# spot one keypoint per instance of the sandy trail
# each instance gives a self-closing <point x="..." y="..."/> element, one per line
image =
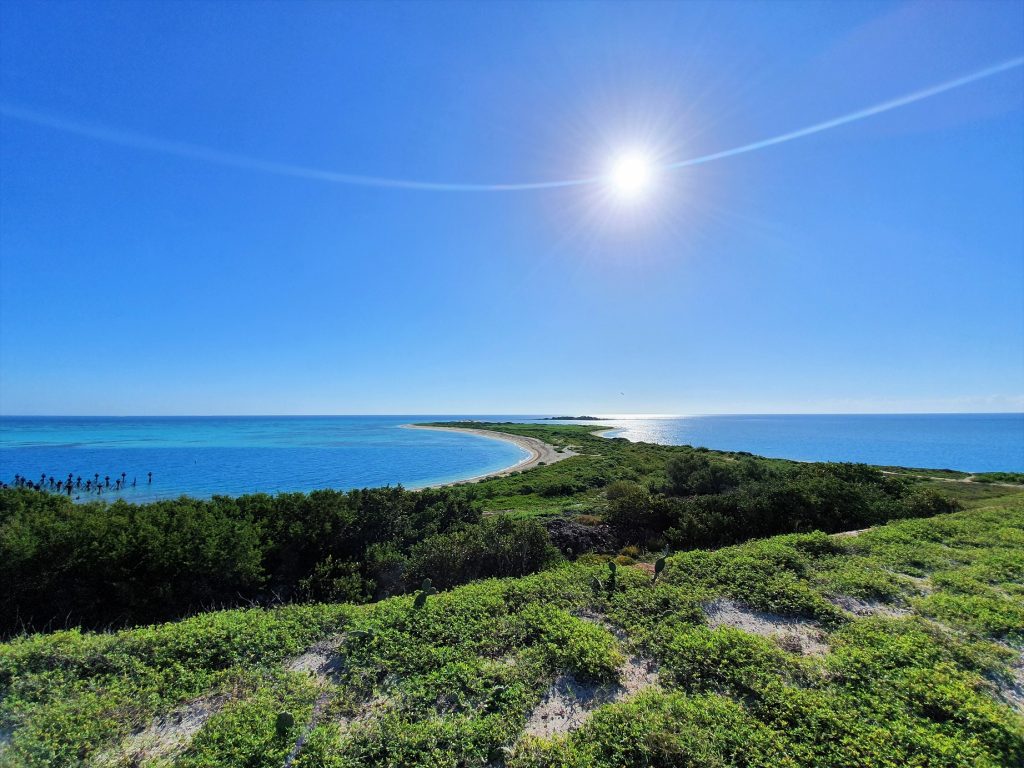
<point x="540" y="452"/>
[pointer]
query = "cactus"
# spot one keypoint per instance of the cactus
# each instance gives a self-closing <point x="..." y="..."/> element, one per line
<point x="426" y="589"/>
<point x="612" y="584"/>
<point x="596" y="585"/>
<point x="285" y="721"/>
<point x="659" y="564"/>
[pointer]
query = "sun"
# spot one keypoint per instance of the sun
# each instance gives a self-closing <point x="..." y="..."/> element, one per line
<point x="631" y="174"/>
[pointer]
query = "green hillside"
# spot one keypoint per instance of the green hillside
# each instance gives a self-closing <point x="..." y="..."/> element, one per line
<point x="897" y="646"/>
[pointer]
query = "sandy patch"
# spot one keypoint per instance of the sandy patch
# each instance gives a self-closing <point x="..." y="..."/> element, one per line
<point x="569" y="702"/>
<point x="379" y="705"/>
<point x="539" y="451"/>
<point x="168" y="735"/>
<point x="566" y="706"/>
<point x="849" y="534"/>
<point x="866" y="607"/>
<point x="796" y="635"/>
<point x="320" y="659"/>
<point x="323" y="661"/>
<point x="969" y="479"/>
<point x="1012" y="691"/>
<point x="637" y="674"/>
<point x="922" y="584"/>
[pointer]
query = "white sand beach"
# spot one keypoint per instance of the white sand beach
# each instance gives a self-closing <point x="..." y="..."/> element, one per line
<point x="540" y="452"/>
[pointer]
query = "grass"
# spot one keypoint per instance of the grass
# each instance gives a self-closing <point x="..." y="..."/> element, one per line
<point x="452" y="683"/>
<point x="970" y="494"/>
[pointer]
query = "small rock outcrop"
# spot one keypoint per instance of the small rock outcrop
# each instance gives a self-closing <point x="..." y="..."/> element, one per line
<point x="568" y="535"/>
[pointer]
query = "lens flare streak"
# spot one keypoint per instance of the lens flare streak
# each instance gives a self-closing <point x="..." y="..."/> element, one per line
<point x="197" y="152"/>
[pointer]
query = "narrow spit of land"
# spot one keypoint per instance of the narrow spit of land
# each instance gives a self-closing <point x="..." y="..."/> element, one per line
<point x="540" y="452"/>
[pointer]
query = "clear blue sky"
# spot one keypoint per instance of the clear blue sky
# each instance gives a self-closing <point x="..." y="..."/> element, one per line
<point x="877" y="266"/>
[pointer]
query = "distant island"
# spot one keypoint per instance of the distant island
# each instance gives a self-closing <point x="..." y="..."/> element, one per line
<point x="571" y="418"/>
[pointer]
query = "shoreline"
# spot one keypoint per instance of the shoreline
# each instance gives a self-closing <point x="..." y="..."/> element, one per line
<point x="540" y="452"/>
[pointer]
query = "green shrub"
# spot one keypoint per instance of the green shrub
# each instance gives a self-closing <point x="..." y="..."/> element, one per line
<point x="724" y="659"/>
<point x="333" y="581"/>
<point x="574" y="646"/>
<point x="696" y="474"/>
<point x="496" y="546"/>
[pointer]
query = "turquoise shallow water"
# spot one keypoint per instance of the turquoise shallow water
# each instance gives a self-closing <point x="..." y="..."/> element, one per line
<point x="203" y="456"/>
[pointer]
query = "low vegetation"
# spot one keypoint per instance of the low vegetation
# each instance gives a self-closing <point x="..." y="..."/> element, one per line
<point x="925" y="675"/>
<point x="883" y="627"/>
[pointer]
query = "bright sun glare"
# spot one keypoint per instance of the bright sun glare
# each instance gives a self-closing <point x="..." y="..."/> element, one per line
<point x="631" y="174"/>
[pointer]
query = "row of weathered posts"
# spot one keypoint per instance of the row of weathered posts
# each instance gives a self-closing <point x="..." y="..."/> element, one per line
<point x="73" y="484"/>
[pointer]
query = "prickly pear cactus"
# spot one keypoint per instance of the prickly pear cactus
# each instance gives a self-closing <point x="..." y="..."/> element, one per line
<point x="659" y="566"/>
<point x="426" y="590"/>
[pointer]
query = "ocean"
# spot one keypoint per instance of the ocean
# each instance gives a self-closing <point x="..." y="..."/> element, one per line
<point x="968" y="442"/>
<point x="204" y="456"/>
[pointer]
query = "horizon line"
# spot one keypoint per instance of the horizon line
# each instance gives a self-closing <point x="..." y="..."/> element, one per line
<point x="611" y="417"/>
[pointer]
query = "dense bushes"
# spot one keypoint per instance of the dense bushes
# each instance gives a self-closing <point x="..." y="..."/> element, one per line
<point x="103" y="564"/>
<point x="694" y="473"/>
<point x="496" y="546"/>
<point x="107" y="564"/>
<point x="712" y="501"/>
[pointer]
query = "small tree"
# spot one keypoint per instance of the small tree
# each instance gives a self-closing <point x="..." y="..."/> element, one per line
<point x="692" y="474"/>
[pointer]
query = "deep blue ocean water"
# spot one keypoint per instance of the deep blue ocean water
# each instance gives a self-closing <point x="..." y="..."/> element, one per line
<point x="964" y="441"/>
<point x="203" y="456"/>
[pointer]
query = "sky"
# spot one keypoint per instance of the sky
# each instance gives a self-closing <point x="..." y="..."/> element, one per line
<point x="177" y="234"/>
